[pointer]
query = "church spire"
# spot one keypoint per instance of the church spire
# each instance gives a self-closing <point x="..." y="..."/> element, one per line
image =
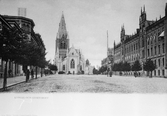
<point x="62" y="32"/>
<point x="144" y="9"/>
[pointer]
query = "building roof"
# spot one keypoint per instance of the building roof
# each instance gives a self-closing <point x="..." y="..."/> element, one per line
<point x="7" y="17"/>
<point x="155" y="23"/>
<point x="131" y="37"/>
<point x="117" y="46"/>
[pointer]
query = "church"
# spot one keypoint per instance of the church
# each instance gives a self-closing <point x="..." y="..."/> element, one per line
<point x="67" y="59"/>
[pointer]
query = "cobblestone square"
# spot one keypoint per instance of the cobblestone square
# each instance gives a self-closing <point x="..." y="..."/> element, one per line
<point x="92" y="84"/>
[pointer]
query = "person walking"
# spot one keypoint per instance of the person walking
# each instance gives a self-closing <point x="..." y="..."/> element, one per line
<point x="110" y="73"/>
<point x="32" y="74"/>
<point x="28" y="75"/>
<point x="10" y="72"/>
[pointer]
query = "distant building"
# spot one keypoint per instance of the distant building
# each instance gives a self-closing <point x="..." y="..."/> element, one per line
<point x="89" y="70"/>
<point x="107" y="61"/>
<point x="68" y="59"/>
<point x="149" y="42"/>
<point x="22" y="12"/>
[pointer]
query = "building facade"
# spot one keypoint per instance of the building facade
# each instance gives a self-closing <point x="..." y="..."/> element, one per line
<point x="149" y="42"/>
<point x="67" y="59"/>
<point x="23" y="25"/>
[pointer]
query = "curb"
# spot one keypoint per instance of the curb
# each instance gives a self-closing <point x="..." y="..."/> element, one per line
<point x="1" y="89"/>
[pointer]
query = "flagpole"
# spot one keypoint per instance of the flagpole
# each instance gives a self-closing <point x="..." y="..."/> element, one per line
<point x="107" y="43"/>
<point x="107" y="52"/>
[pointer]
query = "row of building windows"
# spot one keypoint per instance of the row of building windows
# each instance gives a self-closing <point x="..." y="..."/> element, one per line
<point x="151" y="51"/>
<point x="153" y="37"/>
<point x="132" y="57"/>
<point x="131" y="48"/>
<point x="159" y="71"/>
<point x="159" y="62"/>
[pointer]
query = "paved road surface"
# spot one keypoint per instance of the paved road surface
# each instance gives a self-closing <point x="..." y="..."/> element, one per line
<point x="93" y="84"/>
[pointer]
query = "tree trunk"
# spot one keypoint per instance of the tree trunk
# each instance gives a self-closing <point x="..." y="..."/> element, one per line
<point x="36" y="72"/>
<point x="150" y="74"/>
<point x="5" y="77"/>
<point x="41" y="72"/>
<point x="27" y="73"/>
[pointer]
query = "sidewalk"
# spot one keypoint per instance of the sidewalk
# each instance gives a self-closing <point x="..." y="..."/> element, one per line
<point x="14" y="80"/>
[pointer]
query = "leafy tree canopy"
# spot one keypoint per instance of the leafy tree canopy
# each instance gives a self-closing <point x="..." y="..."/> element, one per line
<point x="52" y="67"/>
<point x="136" y="66"/>
<point x="149" y="65"/>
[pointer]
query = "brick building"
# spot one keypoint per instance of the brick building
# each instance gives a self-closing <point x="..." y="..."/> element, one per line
<point x="149" y="42"/>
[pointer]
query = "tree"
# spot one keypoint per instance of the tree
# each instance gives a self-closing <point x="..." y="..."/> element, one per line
<point x="136" y="66"/>
<point x="115" y="67"/>
<point x="102" y="69"/>
<point x="120" y="66"/>
<point x="10" y="40"/>
<point x="126" y="66"/>
<point x="149" y="66"/>
<point x="52" y="67"/>
<point x="95" y="71"/>
<point x="15" y="46"/>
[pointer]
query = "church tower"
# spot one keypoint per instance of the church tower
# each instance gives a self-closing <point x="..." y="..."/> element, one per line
<point x="62" y="40"/>
<point x="142" y="18"/>
<point x="122" y="35"/>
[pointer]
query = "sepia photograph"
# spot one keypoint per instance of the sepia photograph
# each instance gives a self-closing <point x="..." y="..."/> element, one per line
<point x="83" y="57"/>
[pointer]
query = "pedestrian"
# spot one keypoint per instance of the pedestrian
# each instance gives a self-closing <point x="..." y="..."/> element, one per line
<point x="135" y="74"/>
<point x="32" y="73"/>
<point x="10" y="72"/>
<point x="110" y="73"/>
<point x="27" y="75"/>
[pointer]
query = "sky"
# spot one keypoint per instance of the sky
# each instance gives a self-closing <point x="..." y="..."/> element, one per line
<point x="87" y="21"/>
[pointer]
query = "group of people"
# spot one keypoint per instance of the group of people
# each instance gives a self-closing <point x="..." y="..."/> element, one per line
<point x="136" y="74"/>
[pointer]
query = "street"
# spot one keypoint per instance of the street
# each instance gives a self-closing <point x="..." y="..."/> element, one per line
<point x="92" y="84"/>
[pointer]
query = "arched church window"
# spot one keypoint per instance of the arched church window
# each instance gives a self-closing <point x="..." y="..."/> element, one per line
<point x="63" y="36"/>
<point x="64" y="46"/>
<point x="64" y="67"/>
<point x="72" y="63"/>
<point x="61" y="44"/>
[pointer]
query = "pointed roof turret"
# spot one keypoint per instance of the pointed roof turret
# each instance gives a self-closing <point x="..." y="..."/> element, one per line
<point x="114" y="43"/>
<point x="123" y="29"/>
<point x="62" y="27"/>
<point x="144" y="9"/>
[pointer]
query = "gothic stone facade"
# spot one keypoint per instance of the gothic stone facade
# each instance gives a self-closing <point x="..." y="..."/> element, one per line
<point x="68" y="60"/>
<point x="149" y="42"/>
